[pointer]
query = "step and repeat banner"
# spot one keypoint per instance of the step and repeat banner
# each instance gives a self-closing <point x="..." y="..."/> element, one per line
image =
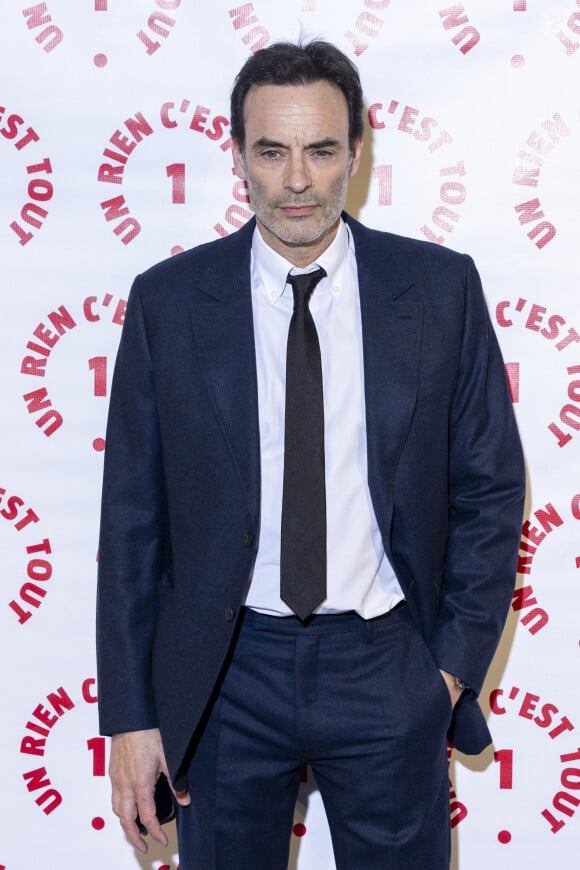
<point x="115" y="153"/>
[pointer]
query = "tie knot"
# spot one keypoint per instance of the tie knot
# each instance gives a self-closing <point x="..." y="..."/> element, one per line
<point x="303" y="285"/>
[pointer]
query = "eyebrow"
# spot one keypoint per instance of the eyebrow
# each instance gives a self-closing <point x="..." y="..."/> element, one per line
<point x="264" y="142"/>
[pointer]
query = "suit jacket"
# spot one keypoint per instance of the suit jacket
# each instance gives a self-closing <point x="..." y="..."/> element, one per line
<point x="181" y="497"/>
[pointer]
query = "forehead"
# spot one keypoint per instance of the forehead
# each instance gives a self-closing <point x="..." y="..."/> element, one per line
<point x="289" y="111"/>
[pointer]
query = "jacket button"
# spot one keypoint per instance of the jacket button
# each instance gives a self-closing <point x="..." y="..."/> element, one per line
<point x="248" y="539"/>
<point x="229" y="614"/>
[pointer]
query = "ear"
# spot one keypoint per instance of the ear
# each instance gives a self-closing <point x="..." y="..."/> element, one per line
<point x="239" y="165"/>
<point x="355" y="157"/>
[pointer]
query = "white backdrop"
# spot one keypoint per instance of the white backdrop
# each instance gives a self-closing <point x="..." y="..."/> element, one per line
<point x="114" y="152"/>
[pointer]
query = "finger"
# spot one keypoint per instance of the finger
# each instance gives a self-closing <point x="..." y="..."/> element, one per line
<point x="127" y="813"/>
<point x="133" y="835"/>
<point x="149" y="820"/>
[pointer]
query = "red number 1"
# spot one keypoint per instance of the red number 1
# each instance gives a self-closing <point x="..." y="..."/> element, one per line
<point x="505" y="759"/>
<point x="176" y="171"/>
<point x="96" y="745"/>
<point x="98" y="365"/>
<point x="385" y="177"/>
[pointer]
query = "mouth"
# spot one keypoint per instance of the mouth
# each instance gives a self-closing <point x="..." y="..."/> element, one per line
<point x="297" y="210"/>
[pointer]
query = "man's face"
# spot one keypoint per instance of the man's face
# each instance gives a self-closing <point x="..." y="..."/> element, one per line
<point x="297" y="163"/>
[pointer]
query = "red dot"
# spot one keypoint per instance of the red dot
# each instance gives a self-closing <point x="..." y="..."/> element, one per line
<point x="100" y="60"/>
<point x="504" y="837"/>
<point x="99" y="444"/>
<point x="98" y="823"/>
<point x="299" y="829"/>
<point x="176" y="249"/>
<point x="518" y="61"/>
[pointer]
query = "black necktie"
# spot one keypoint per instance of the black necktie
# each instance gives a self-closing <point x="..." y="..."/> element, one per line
<point x="303" y="536"/>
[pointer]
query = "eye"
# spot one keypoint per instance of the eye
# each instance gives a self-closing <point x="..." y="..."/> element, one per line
<point x="270" y="154"/>
<point x="323" y="153"/>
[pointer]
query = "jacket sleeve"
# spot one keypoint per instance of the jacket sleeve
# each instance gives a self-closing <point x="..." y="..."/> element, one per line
<point x="486" y="497"/>
<point x="131" y="536"/>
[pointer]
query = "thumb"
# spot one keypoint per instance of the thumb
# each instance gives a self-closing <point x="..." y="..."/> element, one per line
<point x="183" y="798"/>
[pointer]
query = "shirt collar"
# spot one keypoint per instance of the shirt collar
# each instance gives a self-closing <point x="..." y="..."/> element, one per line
<point x="271" y="268"/>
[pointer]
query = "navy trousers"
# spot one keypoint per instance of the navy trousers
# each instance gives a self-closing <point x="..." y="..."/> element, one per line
<point x="364" y="704"/>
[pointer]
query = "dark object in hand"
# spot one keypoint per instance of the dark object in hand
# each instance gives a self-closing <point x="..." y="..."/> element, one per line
<point x="165" y="805"/>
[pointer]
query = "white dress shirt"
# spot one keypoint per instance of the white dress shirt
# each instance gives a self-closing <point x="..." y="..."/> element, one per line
<point x="359" y="575"/>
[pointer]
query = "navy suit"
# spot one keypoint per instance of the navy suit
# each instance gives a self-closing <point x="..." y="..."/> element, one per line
<point x="181" y="498"/>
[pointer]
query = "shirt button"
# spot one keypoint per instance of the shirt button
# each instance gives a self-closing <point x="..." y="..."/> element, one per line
<point x="248" y="539"/>
<point x="229" y="614"/>
<point x="335" y="290"/>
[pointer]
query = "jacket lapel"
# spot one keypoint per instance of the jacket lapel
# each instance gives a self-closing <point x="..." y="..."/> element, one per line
<point x="392" y="325"/>
<point x="222" y="323"/>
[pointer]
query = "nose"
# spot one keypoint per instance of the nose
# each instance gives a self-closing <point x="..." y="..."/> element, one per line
<point x="297" y="176"/>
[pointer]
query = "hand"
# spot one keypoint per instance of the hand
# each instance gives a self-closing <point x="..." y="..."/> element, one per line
<point x="454" y="691"/>
<point x="137" y="760"/>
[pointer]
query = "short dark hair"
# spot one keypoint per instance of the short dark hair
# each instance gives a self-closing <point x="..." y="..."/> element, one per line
<point x="284" y="63"/>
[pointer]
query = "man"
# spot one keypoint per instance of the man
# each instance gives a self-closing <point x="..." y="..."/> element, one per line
<point x="341" y="447"/>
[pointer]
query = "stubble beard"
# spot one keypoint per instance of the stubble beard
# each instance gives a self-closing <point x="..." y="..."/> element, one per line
<point x="299" y="231"/>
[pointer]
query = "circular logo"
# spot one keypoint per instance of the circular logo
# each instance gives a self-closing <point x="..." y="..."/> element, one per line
<point x="49" y="24"/>
<point x="69" y="357"/>
<point x="165" y="148"/>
